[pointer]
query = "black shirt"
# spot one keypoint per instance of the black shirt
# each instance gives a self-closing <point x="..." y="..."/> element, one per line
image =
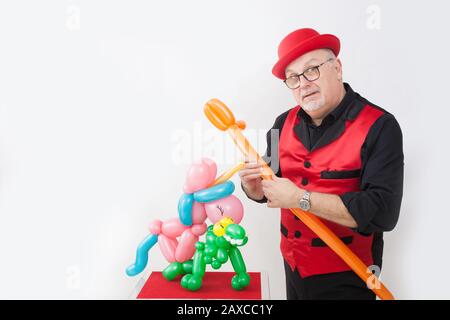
<point x="376" y="206"/>
<point x="316" y="132"/>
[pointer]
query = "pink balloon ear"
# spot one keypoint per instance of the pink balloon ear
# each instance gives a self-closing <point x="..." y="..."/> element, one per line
<point x="198" y="213"/>
<point x="212" y="169"/>
<point x="200" y="175"/>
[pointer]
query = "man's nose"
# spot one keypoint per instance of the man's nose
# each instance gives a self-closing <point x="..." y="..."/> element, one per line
<point x="305" y="85"/>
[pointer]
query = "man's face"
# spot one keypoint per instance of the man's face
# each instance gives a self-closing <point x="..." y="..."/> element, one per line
<point x="320" y="96"/>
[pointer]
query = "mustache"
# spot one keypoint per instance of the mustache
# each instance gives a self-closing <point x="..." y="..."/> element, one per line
<point x="308" y="92"/>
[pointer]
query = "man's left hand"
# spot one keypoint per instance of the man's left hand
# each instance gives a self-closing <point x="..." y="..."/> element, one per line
<point x="282" y="193"/>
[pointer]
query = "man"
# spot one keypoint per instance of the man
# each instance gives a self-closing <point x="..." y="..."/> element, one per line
<point x="340" y="157"/>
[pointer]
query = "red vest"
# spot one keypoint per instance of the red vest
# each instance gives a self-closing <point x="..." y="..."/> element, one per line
<point x="333" y="168"/>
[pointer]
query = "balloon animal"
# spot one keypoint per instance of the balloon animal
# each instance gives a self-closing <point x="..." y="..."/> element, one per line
<point x="222" y="242"/>
<point x="203" y="198"/>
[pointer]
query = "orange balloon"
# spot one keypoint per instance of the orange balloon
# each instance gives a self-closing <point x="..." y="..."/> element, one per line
<point x="240" y="124"/>
<point x="222" y="117"/>
<point x="228" y="174"/>
<point x="219" y="114"/>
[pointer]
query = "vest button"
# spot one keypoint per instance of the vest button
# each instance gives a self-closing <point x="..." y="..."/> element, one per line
<point x="304" y="181"/>
<point x="307" y="164"/>
<point x="297" y="234"/>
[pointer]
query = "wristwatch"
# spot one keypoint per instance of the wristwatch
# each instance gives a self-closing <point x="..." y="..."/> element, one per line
<point x="305" y="202"/>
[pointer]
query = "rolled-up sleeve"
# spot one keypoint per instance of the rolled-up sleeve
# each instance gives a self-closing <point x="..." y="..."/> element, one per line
<point x="376" y="207"/>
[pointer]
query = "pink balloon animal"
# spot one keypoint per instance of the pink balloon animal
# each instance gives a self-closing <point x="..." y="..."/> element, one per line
<point x="200" y="201"/>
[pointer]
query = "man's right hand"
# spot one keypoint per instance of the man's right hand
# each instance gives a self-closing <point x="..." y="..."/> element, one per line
<point x="251" y="180"/>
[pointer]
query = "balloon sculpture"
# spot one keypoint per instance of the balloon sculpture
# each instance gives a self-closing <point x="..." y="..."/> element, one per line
<point x="223" y="119"/>
<point x="204" y="198"/>
<point x="222" y="242"/>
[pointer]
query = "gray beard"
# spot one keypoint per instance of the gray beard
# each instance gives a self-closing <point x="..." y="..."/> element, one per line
<point x="313" y="105"/>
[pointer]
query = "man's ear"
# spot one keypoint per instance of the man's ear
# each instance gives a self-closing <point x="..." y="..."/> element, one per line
<point x="338" y="67"/>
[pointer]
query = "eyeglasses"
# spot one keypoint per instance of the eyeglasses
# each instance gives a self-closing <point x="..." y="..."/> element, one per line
<point x="310" y="74"/>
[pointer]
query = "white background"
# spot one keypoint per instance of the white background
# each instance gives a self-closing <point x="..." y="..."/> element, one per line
<point x="101" y="115"/>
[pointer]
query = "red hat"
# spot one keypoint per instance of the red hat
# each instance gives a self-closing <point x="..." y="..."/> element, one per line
<point x="300" y="42"/>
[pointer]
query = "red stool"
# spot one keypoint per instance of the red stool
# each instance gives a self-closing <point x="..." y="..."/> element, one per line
<point x="216" y="285"/>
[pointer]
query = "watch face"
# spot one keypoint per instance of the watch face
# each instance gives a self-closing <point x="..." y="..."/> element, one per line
<point x="304" y="205"/>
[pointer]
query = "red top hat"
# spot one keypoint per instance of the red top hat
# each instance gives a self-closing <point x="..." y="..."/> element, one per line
<point x="300" y="42"/>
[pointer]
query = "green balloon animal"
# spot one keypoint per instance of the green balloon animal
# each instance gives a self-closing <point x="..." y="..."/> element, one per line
<point x="223" y="240"/>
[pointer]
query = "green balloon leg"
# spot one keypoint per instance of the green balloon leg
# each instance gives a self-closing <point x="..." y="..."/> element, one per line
<point x="193" y="281"/>
<point x="241" y="279"/>
<point x="216" y="251"/>
<point x="177" y="268"/>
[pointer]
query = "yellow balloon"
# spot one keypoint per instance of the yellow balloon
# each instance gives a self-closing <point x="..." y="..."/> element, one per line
<point x="219" y="227"/>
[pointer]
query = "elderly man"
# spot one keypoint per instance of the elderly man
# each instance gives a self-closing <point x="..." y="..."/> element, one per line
<point x="340" y="157"/>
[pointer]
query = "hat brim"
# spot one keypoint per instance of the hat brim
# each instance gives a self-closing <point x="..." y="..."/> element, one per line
<point x="323" y="41"/>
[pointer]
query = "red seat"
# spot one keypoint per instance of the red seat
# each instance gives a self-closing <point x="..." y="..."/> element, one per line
<point x="216" y="285"/>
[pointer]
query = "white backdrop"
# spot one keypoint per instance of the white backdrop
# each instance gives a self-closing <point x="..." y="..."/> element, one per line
<point x="101" y="114"/>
